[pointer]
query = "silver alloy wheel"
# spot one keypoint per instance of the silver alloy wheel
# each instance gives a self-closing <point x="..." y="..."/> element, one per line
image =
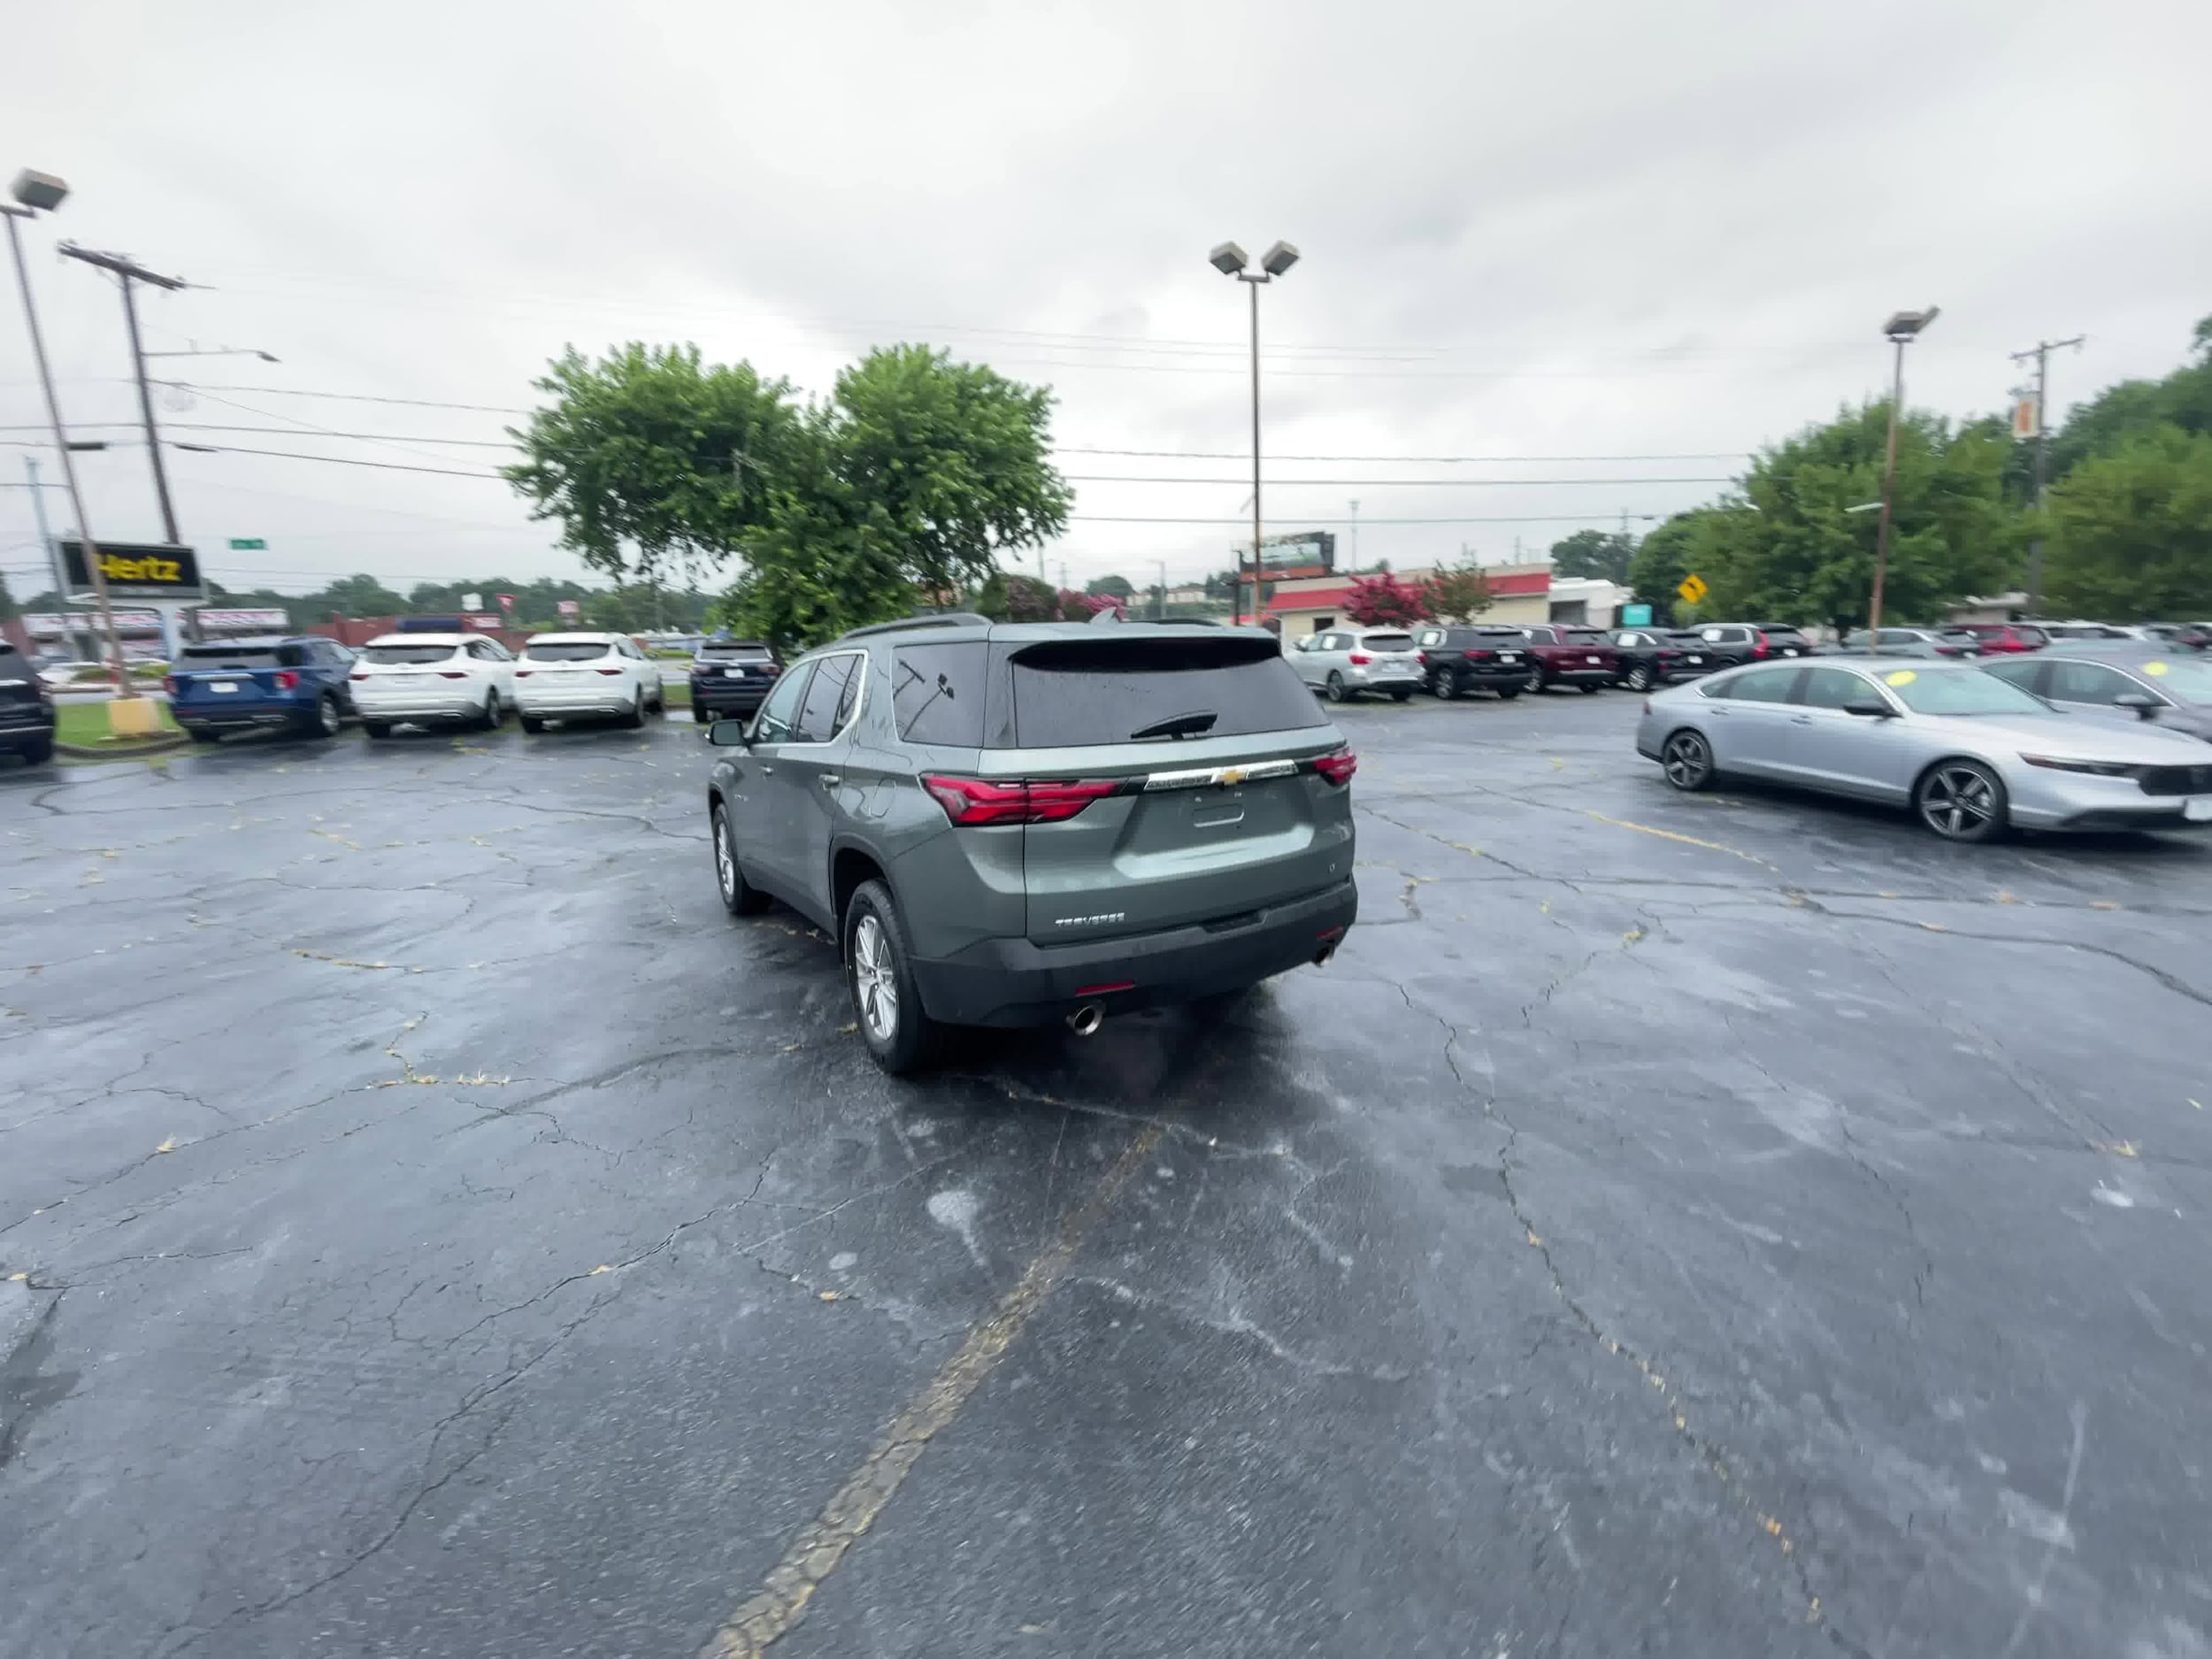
<point x="875" y="986"/>
<point x="1640" y="678"/>
<point x="724" y="866"/>
<point x="328" y="709"/>
<point x="1687" y="762"/>
<point x="1958" y="803"/>
<point x="1336" y="686"/>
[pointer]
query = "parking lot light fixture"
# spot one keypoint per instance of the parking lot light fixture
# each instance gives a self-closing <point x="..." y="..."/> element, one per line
<point x="38" y="193"/>
<point x="1230" y="261"/>
<point x="1901" y="330"/>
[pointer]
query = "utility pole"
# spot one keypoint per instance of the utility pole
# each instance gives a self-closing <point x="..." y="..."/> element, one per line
<point x="1161" y="614"/>
<point x="129" y="270"/>
<point x="1355" y="535"/>
<point x="1901" y="331"/>
<point x="2041" y="353"/>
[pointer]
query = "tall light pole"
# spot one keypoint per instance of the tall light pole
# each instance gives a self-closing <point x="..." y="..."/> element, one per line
<point x="1901" y="330"/>
<point x="35" y="193"/>
<point x="1231" y="260"/>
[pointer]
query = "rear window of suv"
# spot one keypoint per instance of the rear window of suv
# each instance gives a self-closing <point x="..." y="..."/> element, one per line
<point x="1586" y="636"/>
<point x="564" y="651"/>
<point x="388" y="655"/>
<point x="1387" y="641"/>
<point x="736" y="654"/>
<point x="1075" y="694"/>
<point x="197" y="658"/>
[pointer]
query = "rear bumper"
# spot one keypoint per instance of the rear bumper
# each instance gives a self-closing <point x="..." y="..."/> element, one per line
<point x="1014" y="982"/>
<point x="555" y="704"/>
<point x="19" y="732"/>
<point x="729" y="695"/>
<point x="395" y="711"/>
<point x="227" y="715"/>
<point x="1585" y="675"/>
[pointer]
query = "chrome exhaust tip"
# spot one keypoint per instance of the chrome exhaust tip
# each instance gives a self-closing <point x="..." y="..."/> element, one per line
<point x="1087" y="1019"/>
<point x="1321" y="957"/>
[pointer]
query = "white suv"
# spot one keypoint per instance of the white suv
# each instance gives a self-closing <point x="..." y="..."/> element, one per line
<point x="1341" y="663"/>
<point x="429" y="679"/>
<point x="566" y="676"/>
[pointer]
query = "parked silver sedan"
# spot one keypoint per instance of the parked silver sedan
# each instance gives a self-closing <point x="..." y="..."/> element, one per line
<point x="1969" y="754"/>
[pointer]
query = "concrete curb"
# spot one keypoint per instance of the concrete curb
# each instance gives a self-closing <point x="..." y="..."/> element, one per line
<point x="159" y="746"/>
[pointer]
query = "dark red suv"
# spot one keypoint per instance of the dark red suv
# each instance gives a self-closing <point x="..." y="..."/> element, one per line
<point x="1998" y="638"/>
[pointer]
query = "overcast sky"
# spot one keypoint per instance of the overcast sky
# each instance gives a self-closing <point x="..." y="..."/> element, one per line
<point x="1583" y="230"/>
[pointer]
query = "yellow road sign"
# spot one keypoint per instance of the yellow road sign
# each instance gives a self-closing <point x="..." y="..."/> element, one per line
<point x="1693" y="588"/>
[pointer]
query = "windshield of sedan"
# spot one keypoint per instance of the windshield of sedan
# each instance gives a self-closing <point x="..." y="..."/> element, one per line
<point x="1966" y="691"/>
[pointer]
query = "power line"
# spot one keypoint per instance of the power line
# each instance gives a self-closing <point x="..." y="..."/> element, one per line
<point x="1424" y="460"/>
<point x="1414" y="483"/>
<point x="349" y="397"/>
<point x="1303" y="518"/>
<point x="334" y="460"/>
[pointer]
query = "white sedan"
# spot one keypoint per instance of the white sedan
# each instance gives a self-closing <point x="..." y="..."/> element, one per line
<point x="570" y="676"/>
<point x="432" y="679"/>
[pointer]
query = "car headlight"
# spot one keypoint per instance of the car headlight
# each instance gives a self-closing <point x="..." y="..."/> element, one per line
<point x="2098" y="768"/>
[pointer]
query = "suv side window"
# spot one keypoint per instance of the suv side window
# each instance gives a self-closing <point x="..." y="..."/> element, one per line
<point x="818" y="714"/>
<point x="937" y="693"/>
<point x="778" y="716"/>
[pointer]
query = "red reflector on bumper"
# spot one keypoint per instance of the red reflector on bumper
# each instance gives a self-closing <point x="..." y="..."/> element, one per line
<point x="1101" y="990"/>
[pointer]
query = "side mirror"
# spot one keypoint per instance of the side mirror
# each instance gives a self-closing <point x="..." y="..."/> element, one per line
<point x="1871" y="707"/>
<point x="728" y="734"/>
<point x="2144" y="705"/>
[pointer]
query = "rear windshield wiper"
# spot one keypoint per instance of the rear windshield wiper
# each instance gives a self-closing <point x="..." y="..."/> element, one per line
<point x="1191" y="725"/>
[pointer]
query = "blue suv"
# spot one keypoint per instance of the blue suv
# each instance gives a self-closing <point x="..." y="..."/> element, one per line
<point x="297" y="685"/>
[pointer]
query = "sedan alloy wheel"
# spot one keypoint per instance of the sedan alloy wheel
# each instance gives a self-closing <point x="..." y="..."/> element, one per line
<point x="1962" y="801"/>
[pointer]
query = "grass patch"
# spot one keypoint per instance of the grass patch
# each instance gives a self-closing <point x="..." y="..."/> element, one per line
<point x="85" y="724"/>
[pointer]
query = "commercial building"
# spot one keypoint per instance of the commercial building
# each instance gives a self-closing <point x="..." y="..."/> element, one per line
<point x="1303" y="605"/>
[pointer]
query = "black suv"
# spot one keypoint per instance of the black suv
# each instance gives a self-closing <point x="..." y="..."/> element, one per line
<point x="1013" y="823"/>
<point x="1459" y="657"/>
<point x="730" y="677"/>
<point x="26" y="708"/>
<point x="1730" y="644"/>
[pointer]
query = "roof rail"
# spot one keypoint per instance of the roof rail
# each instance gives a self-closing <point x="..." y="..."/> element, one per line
<point x="920" y="619"/>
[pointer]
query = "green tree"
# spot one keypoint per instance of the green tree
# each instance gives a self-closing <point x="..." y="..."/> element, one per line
<point x="1792" y="549"/>
<point x="1598" y="553"/>
<point x="2132" y="530"/>
<point x="1663" y="559"/>
<point x="2132" y="408"/>
<point x="1457" y="593"/>
<point x="1113" y="587"/>
<point x="1012" y="597"/>
<point x="654" y="462"/>
<point x="357" y="596"/>
<point x="8" y="613"/>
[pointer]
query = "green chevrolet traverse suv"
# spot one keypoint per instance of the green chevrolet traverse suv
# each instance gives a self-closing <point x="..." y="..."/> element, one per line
<point x="1007" y="824"/>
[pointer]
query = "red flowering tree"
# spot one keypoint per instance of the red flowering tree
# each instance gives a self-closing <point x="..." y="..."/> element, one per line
<point x="1383" y="601"/>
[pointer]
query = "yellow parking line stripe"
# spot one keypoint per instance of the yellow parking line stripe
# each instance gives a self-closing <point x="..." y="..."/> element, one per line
<point x="1675" y="835"/>
<point x="822" y="1543"/>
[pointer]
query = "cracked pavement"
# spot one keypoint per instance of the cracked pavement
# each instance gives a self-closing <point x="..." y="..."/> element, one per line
<point x="1703" y="1226"/>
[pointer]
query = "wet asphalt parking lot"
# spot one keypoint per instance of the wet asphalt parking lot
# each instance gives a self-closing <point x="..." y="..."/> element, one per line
<point x="1717" y="1225"/>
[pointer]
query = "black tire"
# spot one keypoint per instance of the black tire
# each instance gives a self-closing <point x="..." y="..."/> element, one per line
<point x="740" y="897"/>
<point x="377" y="730"/>
<point x="886" y="1005"/>
<point x="1446" y="685"/>
<point x="1962" y="801"/>
<point x="201" y="734"/>
<point x="1590" y="688"/>
<point x="1333" y="691"/>
<point x="38" y="751"/>
<point x="1506" y="694"/>
<point x="700" y="716"/>
<point x="1639" y="677"/>
<point x="1399" y="693"/>
<point x="495" y="711"/>
<point x="1538" y="682"/>
<point x="327" y="718"/>
<point x="635" y="718"/>
<point x="1687" y="760"/>
<point x="532" y="723"/>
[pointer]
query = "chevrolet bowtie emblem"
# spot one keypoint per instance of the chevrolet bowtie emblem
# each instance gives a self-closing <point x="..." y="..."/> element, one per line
<point x="1232" y="775"/>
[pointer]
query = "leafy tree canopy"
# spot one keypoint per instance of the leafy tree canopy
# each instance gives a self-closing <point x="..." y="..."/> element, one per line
<point x="2132" y="408"/>
<point x="1597" y="553"/>
<point x="1381" y="600"/>
<point x="2132" y="531"/>
<point x="1117" y="587"/>
<point x="1458" y="593"/>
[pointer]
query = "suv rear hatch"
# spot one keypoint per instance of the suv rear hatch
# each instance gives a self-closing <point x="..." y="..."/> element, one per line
<point x="1198" y="797"/>
<point x="226" y="674"/>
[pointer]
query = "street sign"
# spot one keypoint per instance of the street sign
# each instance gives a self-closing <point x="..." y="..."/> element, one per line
<point x="260" y="617"/>
<point x="472" y="602"/>
<point x="507" y="602"/>
<point x="1693" y="588"/>
<point x="247" y="544"/>
<point x="570" y="608"/>
<point x="1635" y="616"/>
<point x="2027" y="419"/>
<point x="135" y="570"/>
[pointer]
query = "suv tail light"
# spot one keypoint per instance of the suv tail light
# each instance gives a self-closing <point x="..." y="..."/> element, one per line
<point x="287" y="680"/>
<point x="1359" y="659"/>
<point x="358" y="673"/>
<point x="168" y="684"/>
<point x="974" y="802"/>
<point x="1477" y="657"/>
<point x="610" y="671"/>
<point x="522" y="673"/>
<point x="1337" y="766"/>
<point x="1422" y="657"/>
<point x="1759" y="646"/>
<point x="452" y="674"/>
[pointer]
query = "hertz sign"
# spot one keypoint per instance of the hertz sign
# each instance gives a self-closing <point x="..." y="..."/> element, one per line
<point x="136" y="570"/>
